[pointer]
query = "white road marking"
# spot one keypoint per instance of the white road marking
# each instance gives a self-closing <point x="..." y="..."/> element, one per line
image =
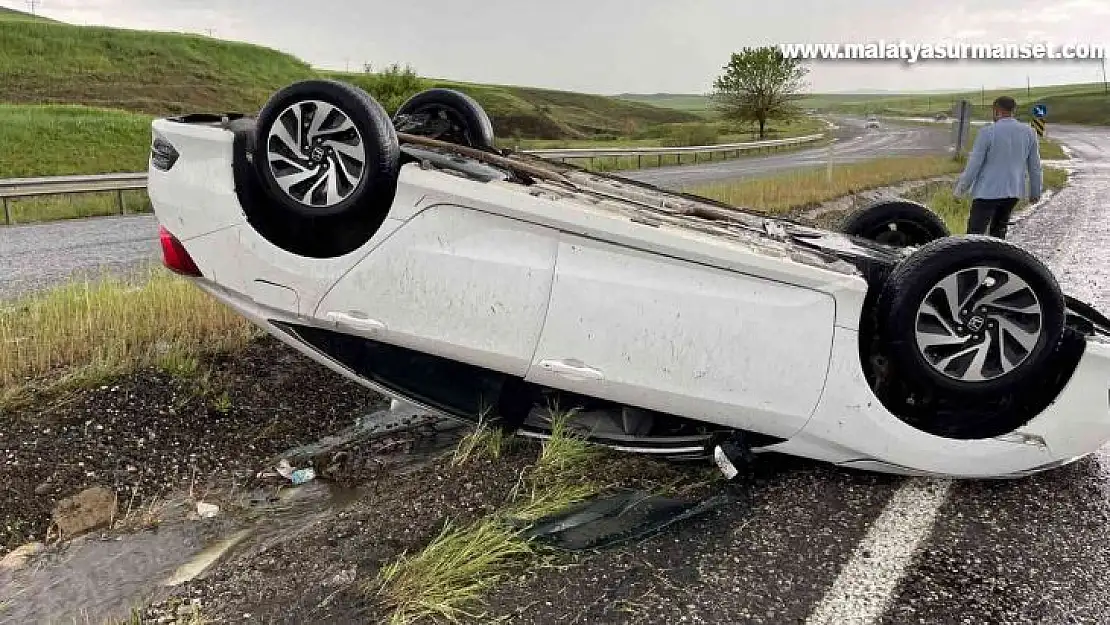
<point x="863" y="589"/>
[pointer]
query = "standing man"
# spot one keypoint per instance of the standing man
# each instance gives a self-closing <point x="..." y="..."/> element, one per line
<point x="1004" y="152"/>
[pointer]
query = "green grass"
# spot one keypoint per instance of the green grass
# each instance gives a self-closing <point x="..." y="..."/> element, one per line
<point x="688" y="102"/>
<point x="57" y="207"/>
<point x="164" y="73"/>
<point x="159" y="73"/>
<point x="65" y="139"/>
<point x="1084" y="103"/>
<point x="448" y="578"/>
<point x="955" y="210"/>
<point x="785" y="192"/>
<point x="89" y="330"/>
<point x="12" y="15"/>
<point x="1050" y="149"/>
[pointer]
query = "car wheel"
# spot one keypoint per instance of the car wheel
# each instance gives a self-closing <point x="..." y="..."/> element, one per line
<point x="899" y="223"/>
<point x="326" y="149"/>
<point x="446" y="115"/>
<point x="972" y="316"/>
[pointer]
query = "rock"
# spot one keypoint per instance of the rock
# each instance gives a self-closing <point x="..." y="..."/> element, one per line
<point x="90" y="509"/>
<point x="18" y="558"/>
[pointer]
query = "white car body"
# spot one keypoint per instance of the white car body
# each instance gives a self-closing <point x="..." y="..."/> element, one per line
<point x="577" y="293"/>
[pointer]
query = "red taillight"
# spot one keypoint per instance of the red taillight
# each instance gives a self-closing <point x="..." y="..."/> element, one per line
<point x="174" y="255"/>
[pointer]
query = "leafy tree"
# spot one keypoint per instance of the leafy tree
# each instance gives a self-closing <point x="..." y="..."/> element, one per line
<point x="759" y="84"/>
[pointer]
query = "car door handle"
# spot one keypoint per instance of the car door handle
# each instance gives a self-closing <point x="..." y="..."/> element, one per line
<point x="358" y="323"/>
<point x="572" y="369"/>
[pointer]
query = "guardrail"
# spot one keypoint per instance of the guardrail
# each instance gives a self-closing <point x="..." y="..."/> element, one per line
<point x="673" y="151"/>
<point x="61" y="185"/>
<point x="100" y="183"/>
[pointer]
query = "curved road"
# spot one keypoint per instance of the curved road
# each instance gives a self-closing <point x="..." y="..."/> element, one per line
<point x="854" y="143"/>
<point x="37" y="256"/>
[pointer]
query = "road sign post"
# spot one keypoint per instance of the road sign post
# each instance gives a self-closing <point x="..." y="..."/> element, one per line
<point x="1040" y="112"/>
<point x="962" y="126"/>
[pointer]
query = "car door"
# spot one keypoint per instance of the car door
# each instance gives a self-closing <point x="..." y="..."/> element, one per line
<point x="452" y="282"/>
<point x="683" y="338"/>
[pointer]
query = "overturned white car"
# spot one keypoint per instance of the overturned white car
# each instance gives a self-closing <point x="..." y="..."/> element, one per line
<point x="412" y="255"/>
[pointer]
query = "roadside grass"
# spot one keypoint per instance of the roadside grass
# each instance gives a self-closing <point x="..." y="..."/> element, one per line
<point x="1082" y="103"/>
<point x="448" y="578"/>
<point x="59" y="207"/>
<point x="955" y="210"/>
<point x="782" y="193"/>
<point x="86" y="331"/>
<point x="160" y="73"/>
<point x="56" y="140"/>
<point x="1052" y="150"/>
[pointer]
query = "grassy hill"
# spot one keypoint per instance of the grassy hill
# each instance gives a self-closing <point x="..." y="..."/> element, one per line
<point x="11" y="15"/>
<point x="163" y="73"/>
<point x="689" y="102"/>
<point x="1084" y="103"/>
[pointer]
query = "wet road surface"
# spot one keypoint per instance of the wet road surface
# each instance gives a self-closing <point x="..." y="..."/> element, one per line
<point x="37" y="256"/>
<point x="854" y="143"/>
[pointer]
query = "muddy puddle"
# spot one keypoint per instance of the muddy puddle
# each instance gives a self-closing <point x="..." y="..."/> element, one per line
<point x="101" y="578"/>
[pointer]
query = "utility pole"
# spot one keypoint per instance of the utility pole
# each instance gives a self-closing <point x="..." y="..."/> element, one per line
<point x="33" y="4"/>
<point x="1104" y="89"/>
<point x="1028" y="87"/>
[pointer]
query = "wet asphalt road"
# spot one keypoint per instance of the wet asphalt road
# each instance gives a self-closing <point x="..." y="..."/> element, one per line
<point x="854" y="143"/>
<point x="38" y="256"/>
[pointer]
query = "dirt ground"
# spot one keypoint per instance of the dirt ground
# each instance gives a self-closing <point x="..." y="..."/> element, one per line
<point x="155" y="438"/>
<point x="149" y="434"/>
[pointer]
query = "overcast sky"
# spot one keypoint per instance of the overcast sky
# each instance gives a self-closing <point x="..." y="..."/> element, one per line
<point x="615" y="46"/>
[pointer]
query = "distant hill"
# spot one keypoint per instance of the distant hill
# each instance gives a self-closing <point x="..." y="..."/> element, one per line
<point x="12" y="15"/>
<point x="688" y="102"/>
<point x="47" y="62"/>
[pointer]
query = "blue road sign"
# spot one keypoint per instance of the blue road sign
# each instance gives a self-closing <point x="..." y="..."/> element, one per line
<point x="1040" y="111"/>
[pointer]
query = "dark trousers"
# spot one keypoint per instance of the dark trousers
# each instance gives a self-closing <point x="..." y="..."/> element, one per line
<point x="991" y="216"/>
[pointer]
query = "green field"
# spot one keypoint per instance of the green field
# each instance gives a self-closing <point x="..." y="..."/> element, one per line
<point x="1086" y="103"/>
<point x="1078" y="103"/>
<point x="689" y="102"/>
<point x="79" y="99"/>
<point x="11" y="15"/>
<point x="166" y="73"/>
<point x="43" y="142"/>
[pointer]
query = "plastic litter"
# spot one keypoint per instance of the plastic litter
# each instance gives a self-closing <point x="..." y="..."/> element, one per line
<point x="207" y="510"/>
<point x="300" y="476"/>
<point x="297" y="476"/>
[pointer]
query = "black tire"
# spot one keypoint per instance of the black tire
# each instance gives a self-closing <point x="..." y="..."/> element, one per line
<point x="371" y="128"/>
<point x="446" y="115"/>
<point x="915" y="279"/>
<point x="899" y="223"/>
